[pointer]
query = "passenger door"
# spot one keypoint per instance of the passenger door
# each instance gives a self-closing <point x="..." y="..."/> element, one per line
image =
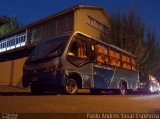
<point x="78" y="56"/>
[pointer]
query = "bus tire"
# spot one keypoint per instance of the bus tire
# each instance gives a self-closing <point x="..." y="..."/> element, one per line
<point x="123" y="88"/>
<point x="71" y="87"/>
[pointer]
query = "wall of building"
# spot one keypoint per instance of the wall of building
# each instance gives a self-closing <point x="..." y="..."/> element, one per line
<point x="54" y="26"/>
<point x="81" y="22"/>
<point x="11" y="72"/>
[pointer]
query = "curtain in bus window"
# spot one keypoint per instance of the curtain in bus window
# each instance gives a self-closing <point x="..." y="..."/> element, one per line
<point x="111" y="52"/>
<point x="99" y="48"/>
<point x="82" y="50"/>
<point x="100" y="58"/>
<point x="105" y="51"/>
<point x="117" y="56"/>
<point x="114" y="58"/>
<point x="78" y="52"/>
<point x="73" y="49"/>
<point x="115" y="62"/>
<point x="99" y="53"/>
<point x="125" y="59"/>
<point x="78" y="49"/>
<point x="112" y="61"/>
<point x="106" y="59"/>
<point x="126" y="62"/>
<point x="126" y="65"/>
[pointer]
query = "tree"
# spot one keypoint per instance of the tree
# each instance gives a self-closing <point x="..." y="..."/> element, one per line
<point x="150" y="60"/>
<point x="128" y="32"/>
<point x="11" y="26"/>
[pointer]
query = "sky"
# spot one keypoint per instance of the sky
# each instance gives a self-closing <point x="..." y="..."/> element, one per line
<point x="28" y="11"/>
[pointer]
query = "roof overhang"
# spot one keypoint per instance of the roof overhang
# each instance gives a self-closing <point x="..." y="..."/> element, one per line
<point x="71" y="9"/>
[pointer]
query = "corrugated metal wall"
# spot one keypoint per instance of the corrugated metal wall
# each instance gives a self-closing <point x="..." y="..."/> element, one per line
<point x="11" y="72"/>
<point x="50" y="28"/>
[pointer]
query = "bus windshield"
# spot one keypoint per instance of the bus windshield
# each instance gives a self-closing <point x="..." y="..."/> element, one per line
<point x="49" y="48"/>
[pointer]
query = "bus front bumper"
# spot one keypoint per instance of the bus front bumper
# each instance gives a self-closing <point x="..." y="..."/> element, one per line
<point x="43" y="78"/>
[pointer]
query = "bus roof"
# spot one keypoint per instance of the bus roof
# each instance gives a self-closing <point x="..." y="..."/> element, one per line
<point x="109" y="45"/>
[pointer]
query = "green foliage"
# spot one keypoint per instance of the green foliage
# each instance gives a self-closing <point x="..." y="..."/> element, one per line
<point x="150" y="60"/>
<point x="11" y="26"/>
<point x="128" y="32"/>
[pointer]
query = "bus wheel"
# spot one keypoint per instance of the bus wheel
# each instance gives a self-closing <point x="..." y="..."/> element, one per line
<point x="123" y="89"/>
<point x="71" y="87"/>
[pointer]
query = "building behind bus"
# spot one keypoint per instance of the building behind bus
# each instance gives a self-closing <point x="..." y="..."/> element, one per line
<point x="16" y="46"/>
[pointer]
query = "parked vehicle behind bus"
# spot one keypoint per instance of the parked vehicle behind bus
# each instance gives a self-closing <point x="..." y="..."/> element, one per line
<point x="149" y="86"/>
<point x="75" y="61"/>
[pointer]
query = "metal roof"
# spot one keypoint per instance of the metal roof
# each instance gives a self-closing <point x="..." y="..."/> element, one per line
<point x="73" y="8"/>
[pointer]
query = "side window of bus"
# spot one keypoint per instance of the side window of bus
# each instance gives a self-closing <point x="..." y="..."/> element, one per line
<point x="114" y="58"/>
<point x="126" y="62"/>
<point x="101" y="53"/>
<point x="77" y="53"/>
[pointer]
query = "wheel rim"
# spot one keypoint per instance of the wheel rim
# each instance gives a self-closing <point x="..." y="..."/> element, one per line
<point x="71" y="86"/>
<point x="123" y="90"/>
